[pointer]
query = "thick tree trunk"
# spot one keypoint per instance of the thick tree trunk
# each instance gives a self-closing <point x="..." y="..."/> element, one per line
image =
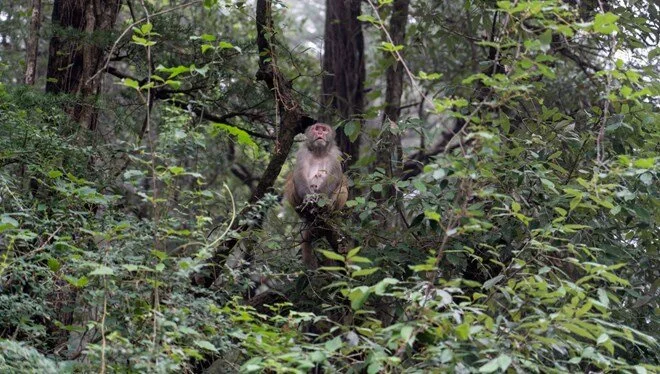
<point x="32" y="44"/>
<point x="73" y="60"/>
<point x="342" y="90"/>
<point x="390" y="140"/>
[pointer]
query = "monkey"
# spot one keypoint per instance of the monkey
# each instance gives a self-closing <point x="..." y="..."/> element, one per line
<point x="316" y="187"/>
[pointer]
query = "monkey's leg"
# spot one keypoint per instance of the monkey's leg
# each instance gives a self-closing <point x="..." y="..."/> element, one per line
<point x="308" y="257"/>
<point x="333" y="239"/>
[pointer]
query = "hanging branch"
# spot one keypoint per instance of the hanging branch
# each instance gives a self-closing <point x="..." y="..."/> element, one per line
<point x="292" y="120"/>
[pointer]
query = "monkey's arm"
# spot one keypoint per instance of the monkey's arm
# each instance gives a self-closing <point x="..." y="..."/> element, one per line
<point x="335" y="186"/>
<point x="290" y="191"/>
<point x="341" y="194"/>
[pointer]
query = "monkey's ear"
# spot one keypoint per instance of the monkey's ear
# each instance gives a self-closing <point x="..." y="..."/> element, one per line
<point x="304" y="123"/>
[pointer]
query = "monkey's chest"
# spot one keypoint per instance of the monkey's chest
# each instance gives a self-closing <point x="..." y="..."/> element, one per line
<point x="317" y="172"/>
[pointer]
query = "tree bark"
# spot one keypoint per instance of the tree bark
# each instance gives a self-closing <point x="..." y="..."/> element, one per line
<point x="390" y="139"/>
<point x="72" y="60"/>
<point x="32" y="44"/>
<point x="342" y="88"/>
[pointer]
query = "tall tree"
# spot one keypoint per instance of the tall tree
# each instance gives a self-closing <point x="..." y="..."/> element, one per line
<point x="32" y="45"/>
<point x="75" y="53"/>
<point x="342" y="88"/>
<point x="394" y="76"/>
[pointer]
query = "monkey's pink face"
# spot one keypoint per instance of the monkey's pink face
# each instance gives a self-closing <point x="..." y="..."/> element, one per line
<point x="319" y="132"/>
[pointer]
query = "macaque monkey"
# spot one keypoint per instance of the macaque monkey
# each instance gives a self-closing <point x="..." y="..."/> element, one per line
<point x="317" y="177"/>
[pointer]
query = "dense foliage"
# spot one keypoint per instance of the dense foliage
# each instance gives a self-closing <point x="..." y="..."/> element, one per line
<point x="528" y="243"/>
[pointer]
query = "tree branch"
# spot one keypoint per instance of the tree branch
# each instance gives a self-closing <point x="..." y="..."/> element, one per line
<point x="293" y="121"/>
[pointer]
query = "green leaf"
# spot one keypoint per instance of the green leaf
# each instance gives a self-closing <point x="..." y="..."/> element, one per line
<point x="54" y="174"/>
<point x="146" y="28"/>
<point x="360" y="259"/>
<point x="352" y="130"/>
<point x="504" y="362"/>
<point x="173" y="83"/>
<point x="406" y="332"/>
<point x="204" y="344"/>
<point x="7" y="223"/>
<point x="208" y="4"/>
<point x="491" y="282"/>
<point x="364" y="272"/>
<point x="381" y="286"/>
<point x="367" y="18"/>
<point x="389" y="47"/>
<point x="428" y="77"/>
<point x="225" y="45"/>
<point x="422" y="267"/>
<point x="578" y="330"/>
<point x="353" y="252"/>
<point x="128" y="82"/>
<point x="173" y="71"/>
<point x="358" y="296"/>
<point x="102" y="270"/>
<point x="242" y="137"/>
<point x="334" y="344"/>
<point x="463" y="331"/>
<point x="602" y="297"/>
<point x="644" y="163"/>
<point x="77" y="282"/>
<point x="176" y="170"/>
<point x="605" y="23"/>
<point x="332" y="255"/>
<point x="54" y="265"/>
<point x="431" y="215"/>
<point x="504" y="5"/>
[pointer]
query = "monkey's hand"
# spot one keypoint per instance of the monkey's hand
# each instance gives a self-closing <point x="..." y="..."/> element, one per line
<point x="312" y="198"/>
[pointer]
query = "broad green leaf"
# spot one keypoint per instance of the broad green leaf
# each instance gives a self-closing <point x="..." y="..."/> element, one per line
<point x="7" y="223"/>
<point x="434" y="216"/>
<point x="334" y="344"/>
<point x="102" y="270"/>
<point x="381" y="286"/>
<point x="358" y="296"/>
<point x="406" y="332"/>
<point x="54" y="174"/>
<point x="146" y="28"/>
<point x="204" y="344"/>
<point x="463" y="331"/>
<point x="176" y="170"/>
<point x="128" y="82"/>
<point x="605" y="23"/>
<point x="644" y="163"/>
